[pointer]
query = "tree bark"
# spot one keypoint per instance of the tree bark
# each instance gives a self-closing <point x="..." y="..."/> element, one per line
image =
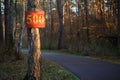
<point x="34" y="46"/>
<point x="9" y="26"/>
<point x="19" y="44"/>
<point x="1" y="27"/>
<point x="50" y="7"/>
<point x="60" y="16"/>
<point x="118" y="6"/>
<point x="34" y="54"/>
<point x="7" y="6"/>
<point x="87" y="22"/>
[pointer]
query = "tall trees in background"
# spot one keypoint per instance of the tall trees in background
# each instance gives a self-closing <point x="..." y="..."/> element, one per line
<point x="74" y="21"/>
<point x="88" y="20"/>
<point x="8" y="30"/>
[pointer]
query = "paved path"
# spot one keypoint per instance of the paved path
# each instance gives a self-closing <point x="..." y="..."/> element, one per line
<point x="85" y="68"/>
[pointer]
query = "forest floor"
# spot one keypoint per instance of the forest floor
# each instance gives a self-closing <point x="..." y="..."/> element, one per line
<point x="16" y="70"/>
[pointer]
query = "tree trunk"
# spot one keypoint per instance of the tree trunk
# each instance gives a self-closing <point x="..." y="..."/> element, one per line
<point x="9" y="26"/>
<point x="70" y="25"/>
<point x="50" y="7"/>
<point x="7" y="6"/>
<point x="34" y="54"/>
<point x="87" y="23"/>
<point x="118" y="6"/>
<point x="1" y="27"/>
<point x="78" y="25"/>
<point x="34" y="46"/>
<point x="60" y="15"/>
<point x="19" y="44"/>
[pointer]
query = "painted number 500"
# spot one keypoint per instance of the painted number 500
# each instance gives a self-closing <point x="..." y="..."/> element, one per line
<point x="35" y="19"/>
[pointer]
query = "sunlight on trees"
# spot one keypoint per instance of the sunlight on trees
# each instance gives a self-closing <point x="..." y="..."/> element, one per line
<point x="86" y="27"/>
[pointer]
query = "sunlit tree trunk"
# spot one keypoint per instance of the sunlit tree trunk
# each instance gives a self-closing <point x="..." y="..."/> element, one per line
<point x="34" y="56"/>
<point x="104" y="10"/>
<point x="100" y="9"/>
<point x="95" y="8"/>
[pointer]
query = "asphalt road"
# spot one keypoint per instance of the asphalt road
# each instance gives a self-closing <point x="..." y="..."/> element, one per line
<point x="85" y="68"/>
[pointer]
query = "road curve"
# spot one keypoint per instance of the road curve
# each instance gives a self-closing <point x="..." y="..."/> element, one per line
<point x="85" y="68"/>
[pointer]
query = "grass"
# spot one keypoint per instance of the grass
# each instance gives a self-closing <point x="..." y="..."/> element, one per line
<point x="16" y="70"/>
<point x="55" y="72"/>
<point x="110" y="59"/>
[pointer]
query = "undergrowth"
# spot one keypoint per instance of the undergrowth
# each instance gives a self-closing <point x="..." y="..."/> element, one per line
<point x="16" y="70"/>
